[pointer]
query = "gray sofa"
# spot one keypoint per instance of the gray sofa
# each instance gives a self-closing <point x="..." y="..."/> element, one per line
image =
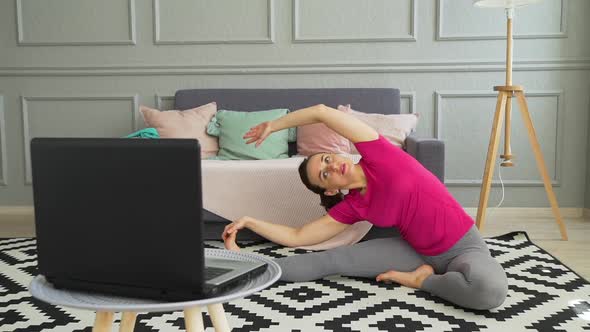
<point x="429" y="152"/>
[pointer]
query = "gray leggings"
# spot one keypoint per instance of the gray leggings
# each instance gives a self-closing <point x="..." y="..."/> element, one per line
<point x="466" y="274"/>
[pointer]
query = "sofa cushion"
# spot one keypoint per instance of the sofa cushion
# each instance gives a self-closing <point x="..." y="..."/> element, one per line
<point x="191" y="123"/>
<point x="231" y="126"/>
<point x="394" y="127"/>
<point x="370" y="100"/>
<point x="318" y="137"/>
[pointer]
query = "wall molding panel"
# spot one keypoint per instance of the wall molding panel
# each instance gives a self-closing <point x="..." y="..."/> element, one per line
<point x="160" y="99"/>
<point x="268" y="39"/>
<point x="411" y="97"/>
<point x="21" y="41"/>
<point x="559" y="137"/>
<point x="442" y="36"/>
<point x="26" y="126"/>
<point x="299" y="38"/>
<point x="3" y="154"/>
<point x="317" y="68"/>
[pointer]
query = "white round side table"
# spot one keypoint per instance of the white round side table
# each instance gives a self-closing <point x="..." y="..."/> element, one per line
<point x="106" y="305"/>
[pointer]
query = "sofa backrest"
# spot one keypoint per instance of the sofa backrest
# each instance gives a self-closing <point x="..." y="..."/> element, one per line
<point x="367" y="100"/>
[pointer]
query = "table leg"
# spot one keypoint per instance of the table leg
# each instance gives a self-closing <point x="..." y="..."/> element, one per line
<point x="218" y="318"/>
<point x="193" y="319"/>
<point x="103" y="322"/>
<point x="127" y="322"/>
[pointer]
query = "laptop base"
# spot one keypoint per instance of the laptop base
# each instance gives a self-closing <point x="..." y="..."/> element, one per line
<point x="165" y="295"/>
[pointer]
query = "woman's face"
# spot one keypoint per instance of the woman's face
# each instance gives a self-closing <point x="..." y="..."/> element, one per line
<point x="330" y="171"/>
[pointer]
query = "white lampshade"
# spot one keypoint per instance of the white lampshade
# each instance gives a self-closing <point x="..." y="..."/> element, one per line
<point x="503" y="3"/>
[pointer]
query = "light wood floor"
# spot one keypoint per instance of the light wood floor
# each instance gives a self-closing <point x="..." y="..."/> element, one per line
<point x="543" y="231"/>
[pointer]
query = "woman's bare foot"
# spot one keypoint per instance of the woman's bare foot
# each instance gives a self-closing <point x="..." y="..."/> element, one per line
<point x="412" y="279"/>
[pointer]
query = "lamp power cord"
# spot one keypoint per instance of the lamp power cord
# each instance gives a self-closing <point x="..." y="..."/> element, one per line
<point x="490" y="210"/>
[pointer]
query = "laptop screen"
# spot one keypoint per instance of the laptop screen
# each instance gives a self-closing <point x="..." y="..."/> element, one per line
<point x="112" y="210"/>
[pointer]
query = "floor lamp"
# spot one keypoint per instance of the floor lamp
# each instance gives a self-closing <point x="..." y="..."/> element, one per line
<point x="503" y="111"/>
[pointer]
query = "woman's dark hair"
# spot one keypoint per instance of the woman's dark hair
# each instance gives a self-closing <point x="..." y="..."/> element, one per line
<point x="325" y="200"/>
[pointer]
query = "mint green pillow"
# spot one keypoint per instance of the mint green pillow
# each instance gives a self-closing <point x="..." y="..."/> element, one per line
<point x="231" y="126"/>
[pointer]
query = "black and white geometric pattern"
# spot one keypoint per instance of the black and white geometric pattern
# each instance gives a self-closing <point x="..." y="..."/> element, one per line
<point x="544" y="295"/>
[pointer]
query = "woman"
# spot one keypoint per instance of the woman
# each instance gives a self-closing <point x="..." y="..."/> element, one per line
<point x="440" y="249"/>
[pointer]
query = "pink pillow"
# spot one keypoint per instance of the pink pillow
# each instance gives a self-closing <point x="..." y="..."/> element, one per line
<point x="184" y="124"/>
<point x="394" y="127"/>
<point x="318" y="137"/>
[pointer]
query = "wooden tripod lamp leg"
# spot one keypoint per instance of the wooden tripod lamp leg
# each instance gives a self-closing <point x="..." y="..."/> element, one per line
<point x="526" y="117"/>
<point x="103" y="322"/>
<point x="490" y="160"/>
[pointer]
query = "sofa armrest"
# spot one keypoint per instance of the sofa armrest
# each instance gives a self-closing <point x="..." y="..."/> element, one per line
<point x="430" y="152"/>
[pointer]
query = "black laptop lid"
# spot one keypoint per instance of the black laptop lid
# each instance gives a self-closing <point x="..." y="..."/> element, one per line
<point x="121" y="211"/>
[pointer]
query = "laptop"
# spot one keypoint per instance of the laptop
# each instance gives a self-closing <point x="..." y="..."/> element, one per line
<point x="124" y="216"/>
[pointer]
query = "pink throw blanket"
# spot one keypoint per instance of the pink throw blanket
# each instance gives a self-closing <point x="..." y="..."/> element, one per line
<point x="269" y="190"/>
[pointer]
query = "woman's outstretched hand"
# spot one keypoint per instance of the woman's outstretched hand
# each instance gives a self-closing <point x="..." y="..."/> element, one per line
<point x="230" y="231"/>
<point x="258" y="133"/>
<point x="234" y="227"/>
<point x="230" y="242"/>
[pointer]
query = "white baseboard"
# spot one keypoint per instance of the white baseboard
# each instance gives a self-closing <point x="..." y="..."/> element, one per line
<point x="23" y="211"/>
<point x="17" y="221"/>
<point x="510" y="212"/>
<point x="20" y="220"/>
<point x="16" y="210"/>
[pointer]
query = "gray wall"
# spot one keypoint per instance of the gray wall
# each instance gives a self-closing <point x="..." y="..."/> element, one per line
<point x="73" y="67"/>
<point x="587" y="203"/>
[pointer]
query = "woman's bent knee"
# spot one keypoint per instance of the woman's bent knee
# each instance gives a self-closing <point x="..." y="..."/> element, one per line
<point x="488" y="283"/>
<point x="489" y="294"/>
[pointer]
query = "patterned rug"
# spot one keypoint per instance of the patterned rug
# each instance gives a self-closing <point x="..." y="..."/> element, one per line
<point x="544" y="295"/>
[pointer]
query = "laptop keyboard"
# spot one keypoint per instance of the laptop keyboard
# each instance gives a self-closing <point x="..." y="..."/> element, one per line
<point x="213" y="272"/>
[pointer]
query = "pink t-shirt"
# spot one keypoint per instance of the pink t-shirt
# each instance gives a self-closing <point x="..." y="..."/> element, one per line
<point x="402" y="193"/>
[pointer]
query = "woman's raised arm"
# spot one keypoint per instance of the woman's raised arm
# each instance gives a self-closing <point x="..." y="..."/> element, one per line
<point x="344" y="124"/>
